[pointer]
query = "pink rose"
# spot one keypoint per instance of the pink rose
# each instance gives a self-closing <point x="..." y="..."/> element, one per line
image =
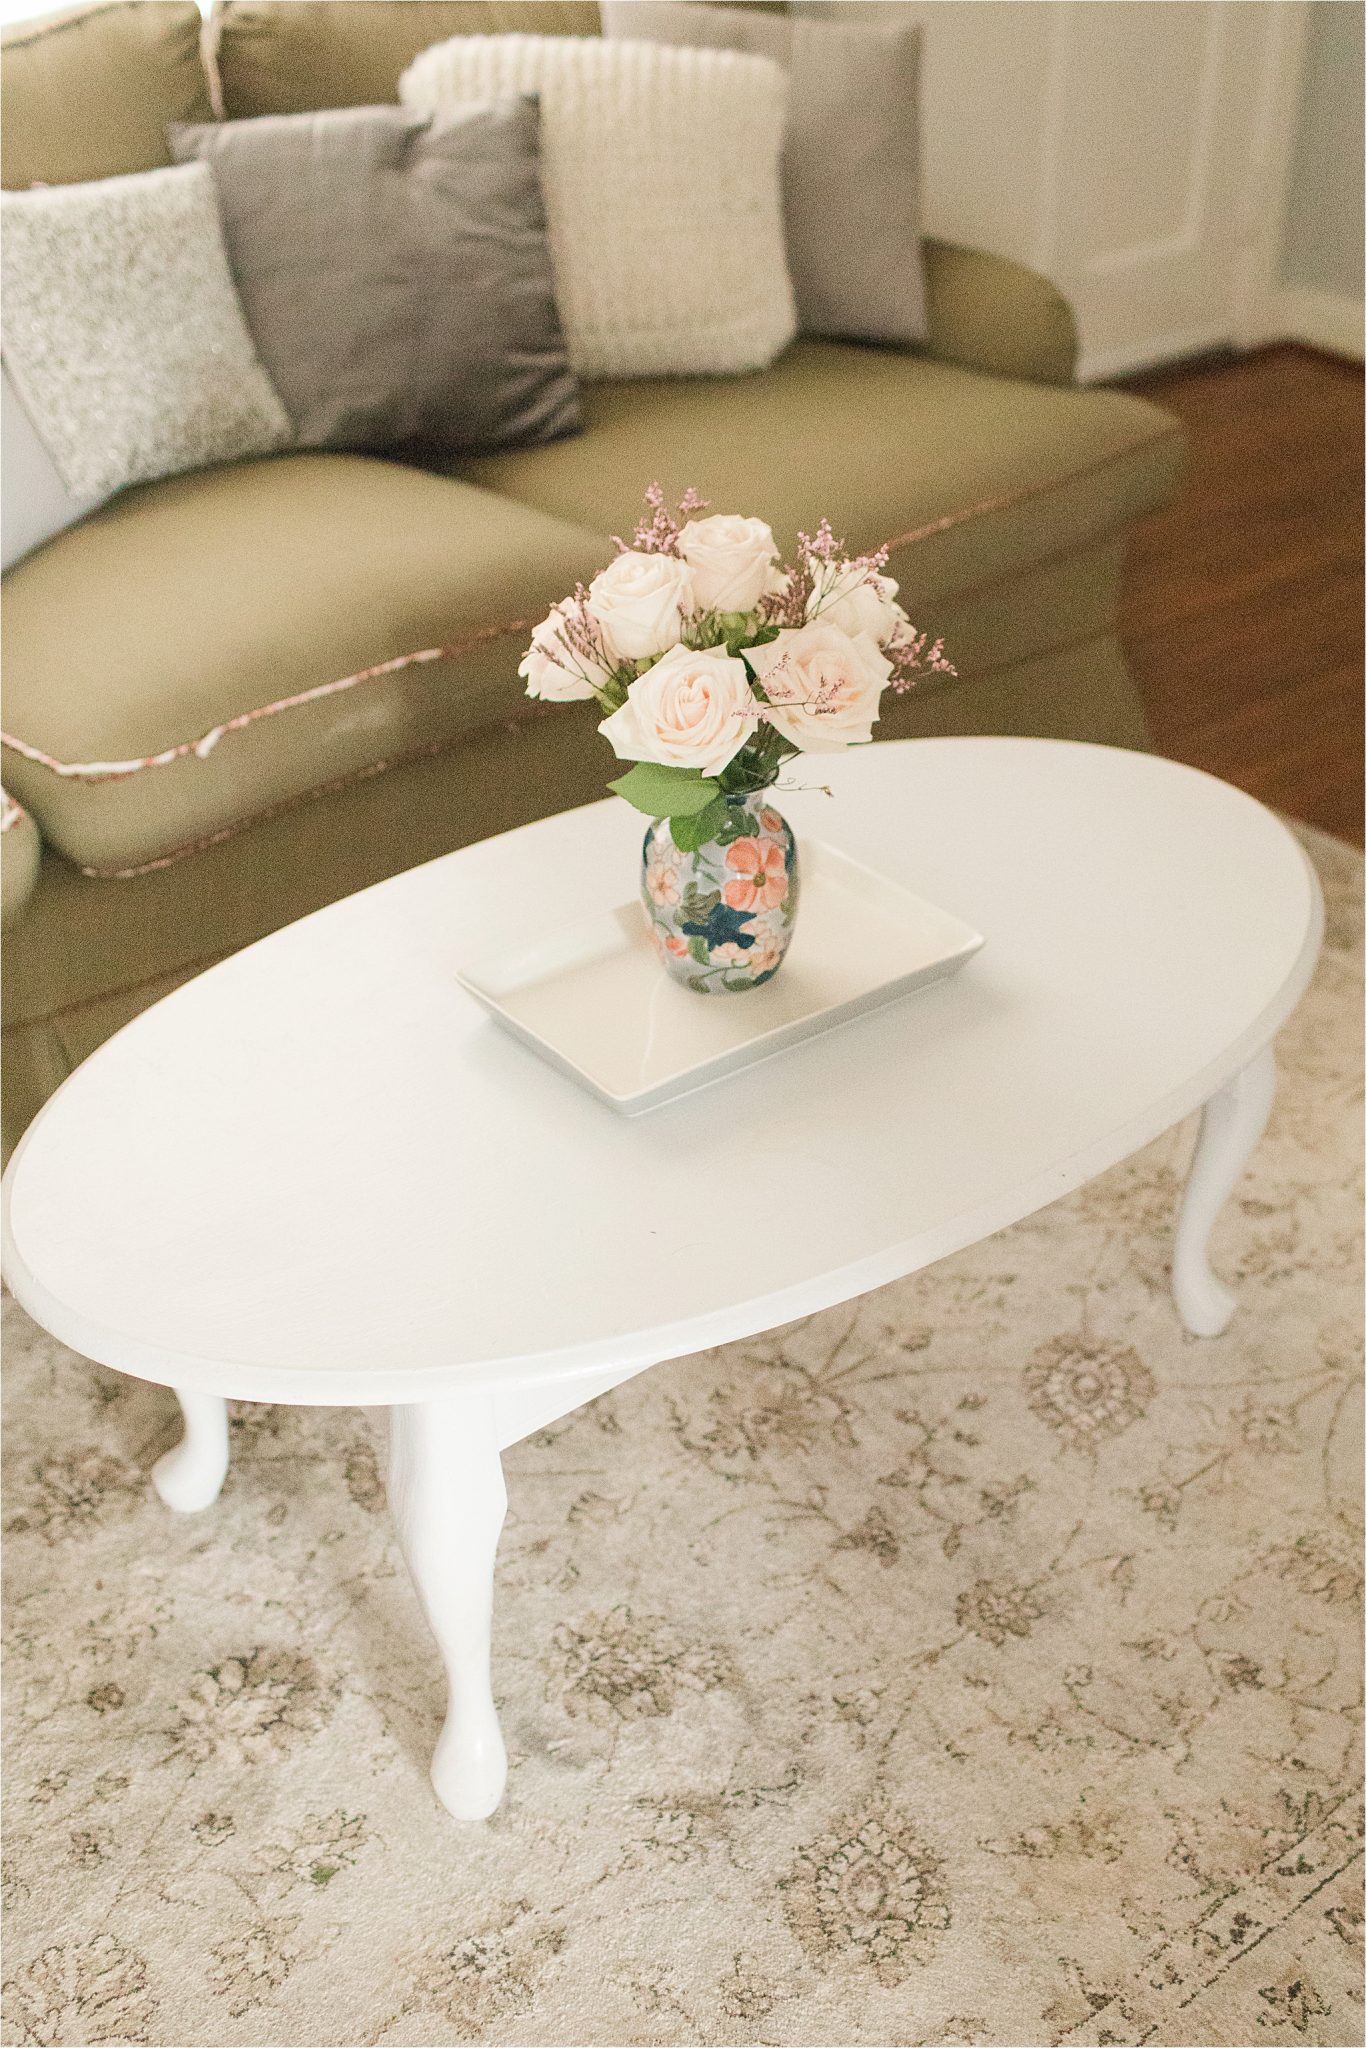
<point x="693" y="709"/>
<point x="823" y="685"/>
<point x="857" y="599"/>
<point x="558" y="666"/>
<point x="732" y="561"/>
<point x="639" y="602"/>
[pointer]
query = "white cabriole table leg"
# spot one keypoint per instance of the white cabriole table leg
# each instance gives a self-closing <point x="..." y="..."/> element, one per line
<point x="1230" y="1125"/>
<point x="448" y="1499"/>
<point x="191" y="1476"/>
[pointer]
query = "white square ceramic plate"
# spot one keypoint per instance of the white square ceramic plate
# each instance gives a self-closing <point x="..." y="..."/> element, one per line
<point x="593" y="999"/>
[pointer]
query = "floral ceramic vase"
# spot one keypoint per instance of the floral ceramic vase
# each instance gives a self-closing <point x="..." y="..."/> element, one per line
<point x="721" y="918"/>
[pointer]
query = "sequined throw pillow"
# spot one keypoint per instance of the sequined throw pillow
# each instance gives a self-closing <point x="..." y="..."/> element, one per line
<point x="123" y="331"/>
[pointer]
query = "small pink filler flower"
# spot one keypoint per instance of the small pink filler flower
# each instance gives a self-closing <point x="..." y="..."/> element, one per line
<point x="760" y="876"/>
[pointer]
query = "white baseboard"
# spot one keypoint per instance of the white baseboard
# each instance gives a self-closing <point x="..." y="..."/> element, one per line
<point x="1323" y="319"/>
<point x="1094" y="366"/>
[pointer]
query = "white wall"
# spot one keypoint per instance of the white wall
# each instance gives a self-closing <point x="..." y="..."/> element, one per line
<point x="1136" y="151"/>
<point x="1324" y="236"/>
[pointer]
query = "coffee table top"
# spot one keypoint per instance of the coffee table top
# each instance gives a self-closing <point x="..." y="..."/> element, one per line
<point x="319" y="1172"/>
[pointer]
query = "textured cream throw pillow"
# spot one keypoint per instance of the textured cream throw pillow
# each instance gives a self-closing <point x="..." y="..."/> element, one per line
<point x="123" y="331"/>
<point x="662" y="190"/>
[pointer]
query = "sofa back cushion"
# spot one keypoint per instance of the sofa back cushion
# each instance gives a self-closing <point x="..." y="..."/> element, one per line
<point x="89" y="94"/>
<point x="292" y="56"/>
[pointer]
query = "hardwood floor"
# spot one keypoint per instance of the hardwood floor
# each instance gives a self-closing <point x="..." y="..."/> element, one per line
<point x="1242" y="615"/>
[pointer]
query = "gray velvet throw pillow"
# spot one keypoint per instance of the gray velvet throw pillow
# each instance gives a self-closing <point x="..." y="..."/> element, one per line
<point x="395" y="274"/>
<point x="851" y="160"/>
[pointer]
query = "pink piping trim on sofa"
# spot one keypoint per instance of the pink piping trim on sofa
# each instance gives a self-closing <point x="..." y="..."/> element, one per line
<point x="287" y="803"/>
<point x="1043" y="489"/>
<point x="119" y="771"/>
<point x="11" y="812"/>
<point x="532" y="709"/>
<point x="116" y="771"/>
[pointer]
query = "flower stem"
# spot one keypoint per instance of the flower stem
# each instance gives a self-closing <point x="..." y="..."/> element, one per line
<point x="758" y="763"/>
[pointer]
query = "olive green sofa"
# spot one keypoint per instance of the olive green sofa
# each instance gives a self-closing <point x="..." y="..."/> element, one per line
<point x="185" y="636"/>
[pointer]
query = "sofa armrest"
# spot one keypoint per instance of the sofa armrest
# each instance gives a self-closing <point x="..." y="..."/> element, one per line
<point x="21" y="853"/>
<point x="989" y="313"/>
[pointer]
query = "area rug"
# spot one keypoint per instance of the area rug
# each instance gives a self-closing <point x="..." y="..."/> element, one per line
<point x="977" y="1664"/>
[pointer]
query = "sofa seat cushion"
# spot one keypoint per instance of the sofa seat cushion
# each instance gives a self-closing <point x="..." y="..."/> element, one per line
<point x="971" y="478"/>
<point x="186" y="605"/>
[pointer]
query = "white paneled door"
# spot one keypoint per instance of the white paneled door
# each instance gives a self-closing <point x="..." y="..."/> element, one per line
<point x="1162" y="167"/>
<point x="1133" y="150"/>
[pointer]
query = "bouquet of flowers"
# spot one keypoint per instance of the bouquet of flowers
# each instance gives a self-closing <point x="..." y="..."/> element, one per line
<point x="714" y="664"/>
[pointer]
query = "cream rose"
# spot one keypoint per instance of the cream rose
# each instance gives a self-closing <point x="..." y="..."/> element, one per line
<point x="693" y="709"/>
<point x="732" y="561"/>
<point x="554" y="667"/>
<point x="857" y="600"/>
<point x="639" y="601"/>
<point x="823" y="685"/>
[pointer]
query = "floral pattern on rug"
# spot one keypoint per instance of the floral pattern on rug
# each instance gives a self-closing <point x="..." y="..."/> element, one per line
<point x="976" y="1663"/>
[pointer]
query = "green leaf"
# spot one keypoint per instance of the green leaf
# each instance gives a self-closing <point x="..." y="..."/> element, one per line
<point x="690" y="831"/>
<point x="737" y="824"/>
<point x="664" y="792"/>
<point x="698" y="904"/>
<point x="697" y="950"/>
<point x="742" y="629"/>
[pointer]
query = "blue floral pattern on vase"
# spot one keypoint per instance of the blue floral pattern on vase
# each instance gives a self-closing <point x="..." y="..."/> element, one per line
<point x="721" y="918"/>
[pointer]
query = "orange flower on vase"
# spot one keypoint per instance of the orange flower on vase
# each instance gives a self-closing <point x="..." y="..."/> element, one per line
<point x="760" y="875"/>
<point x="666" y="942"/>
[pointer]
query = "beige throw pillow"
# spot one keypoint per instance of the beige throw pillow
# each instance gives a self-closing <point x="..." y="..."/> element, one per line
<point x="123" y="332"/>
<point x="851" y="165"/>
<point x="661" y="175"/>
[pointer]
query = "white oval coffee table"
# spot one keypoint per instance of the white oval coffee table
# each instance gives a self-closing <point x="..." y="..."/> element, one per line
<point x="319" y="1173"/>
